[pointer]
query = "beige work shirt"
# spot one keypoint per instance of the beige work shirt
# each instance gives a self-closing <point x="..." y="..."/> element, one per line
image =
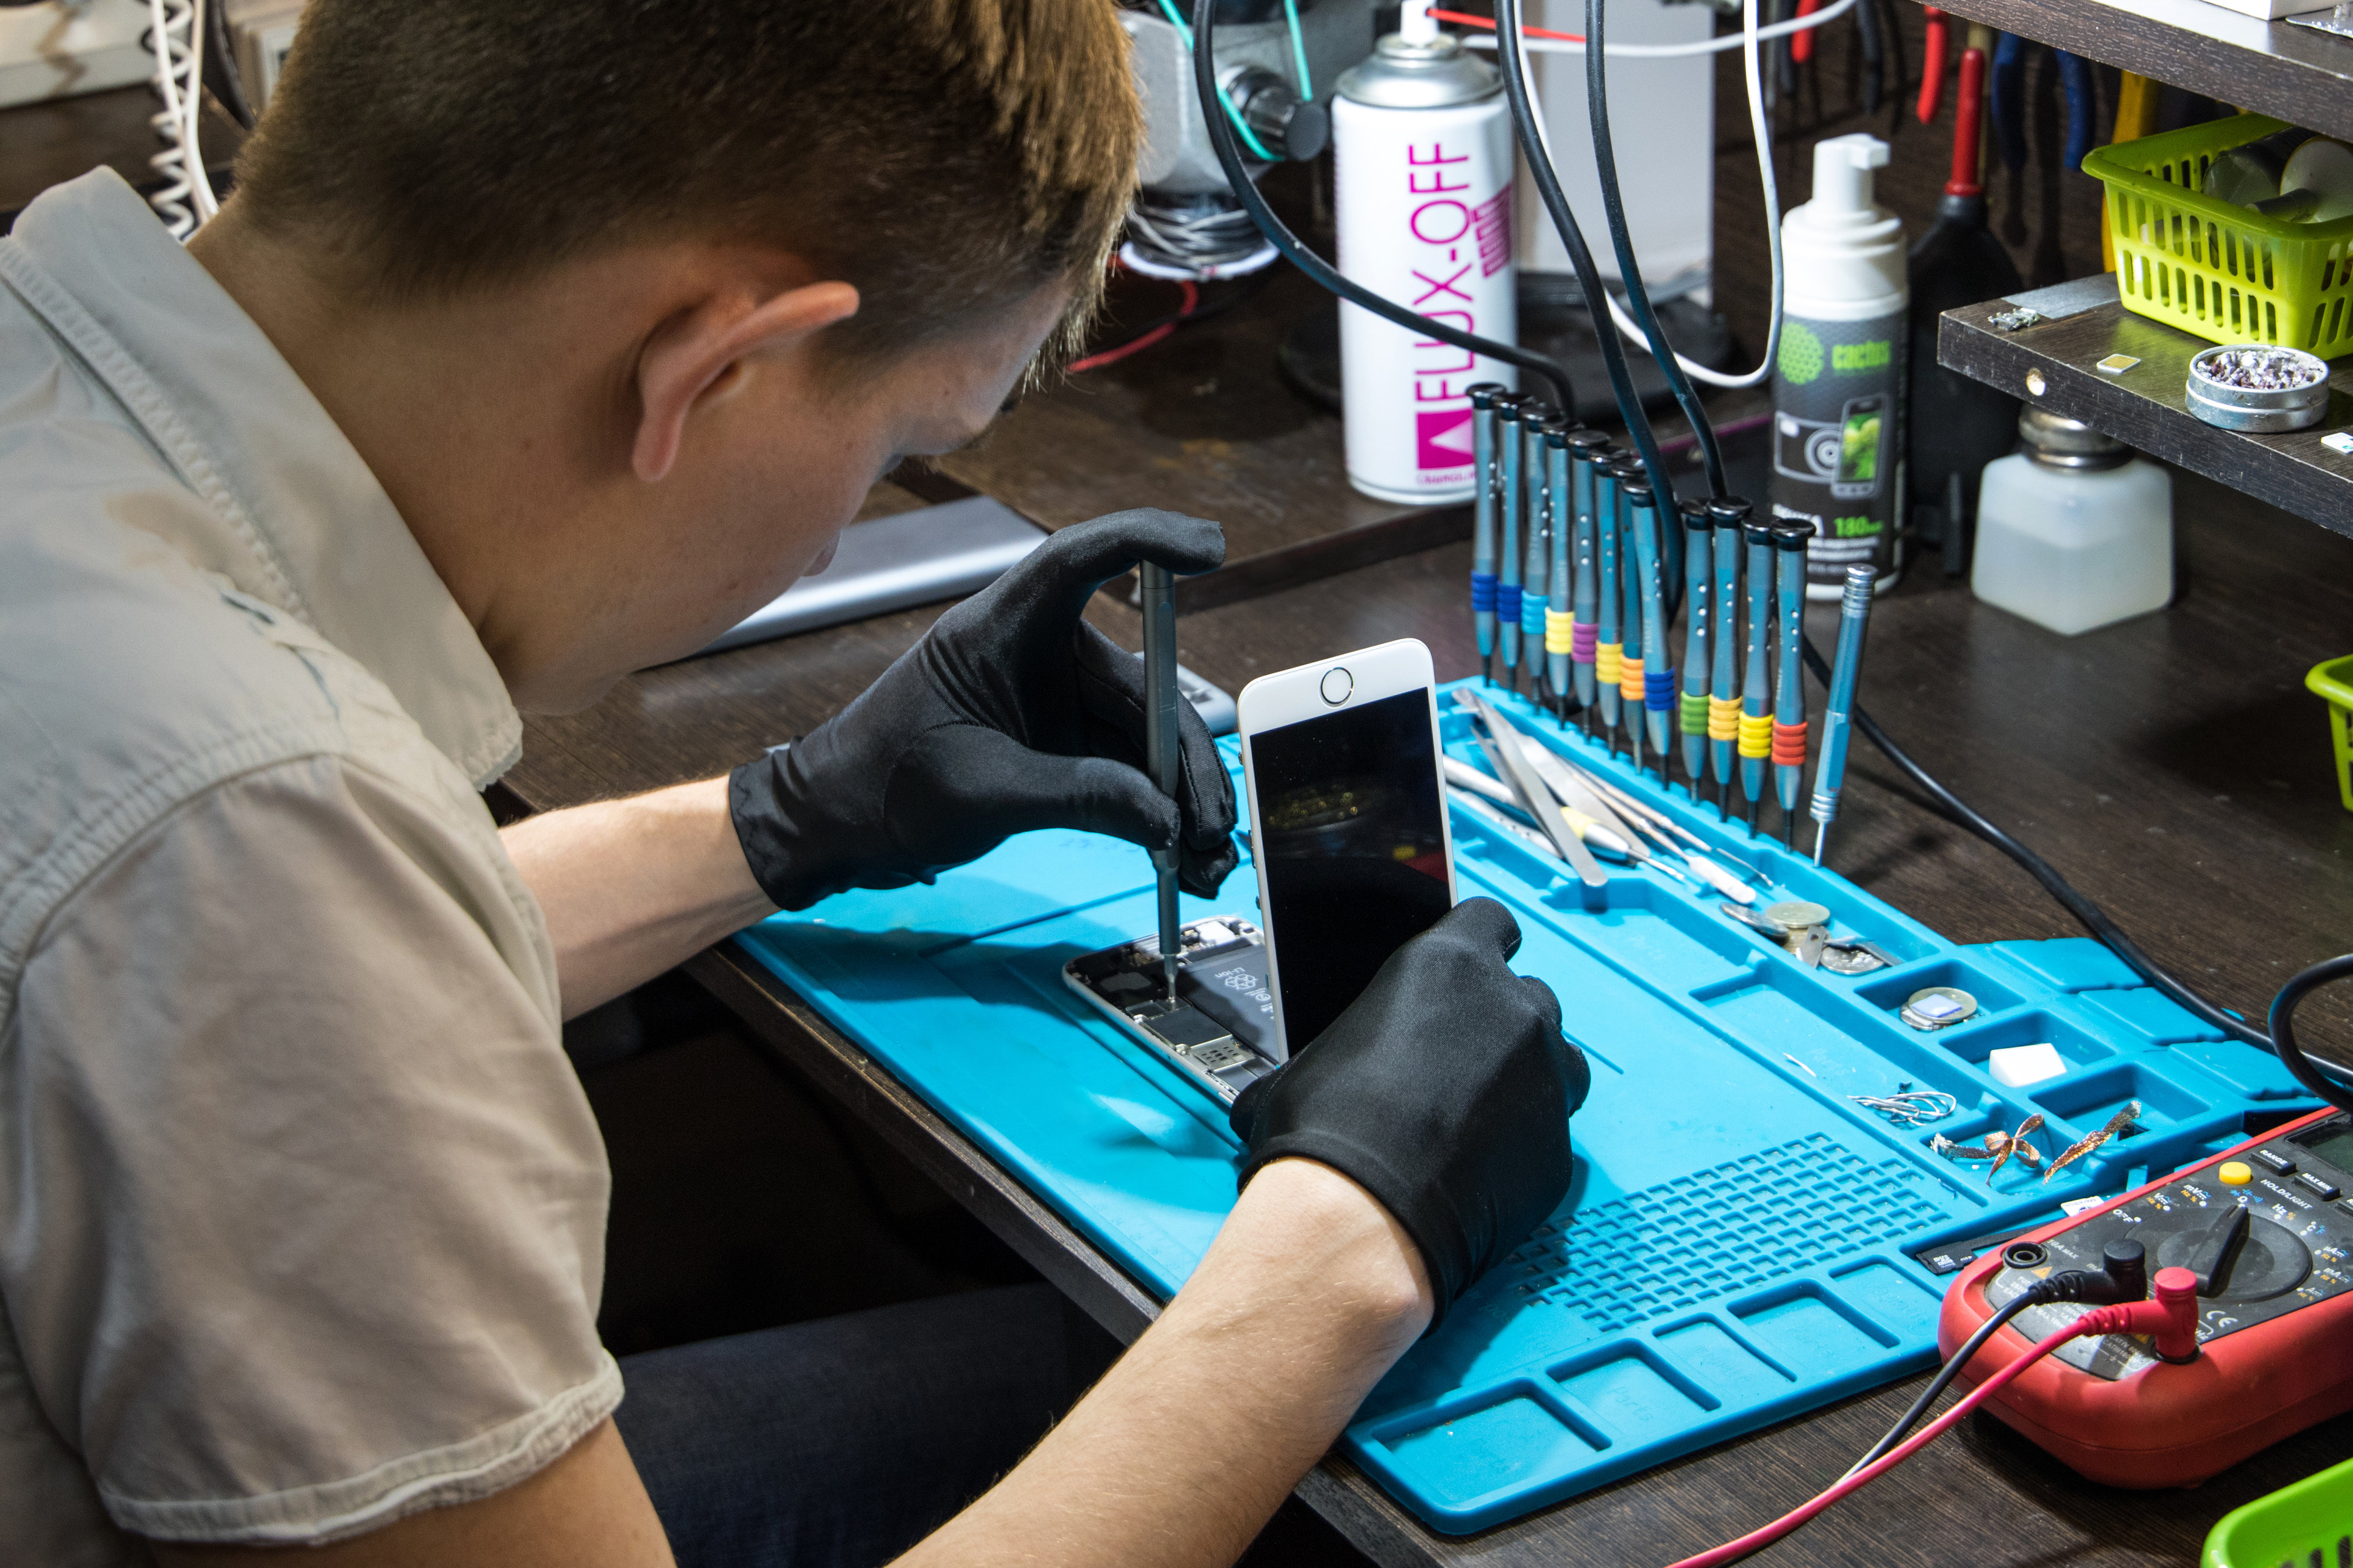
<point x="301" y="1207"/>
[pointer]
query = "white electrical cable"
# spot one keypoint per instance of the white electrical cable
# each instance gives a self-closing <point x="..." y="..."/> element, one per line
<point x="200" y="181"/>
<point x="1483" y="40"/>
<point x="167" y="35"/>
<point x="1749" y="37"/>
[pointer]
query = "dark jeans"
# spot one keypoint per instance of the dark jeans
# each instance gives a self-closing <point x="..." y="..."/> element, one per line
<point x="840" y="1443"/>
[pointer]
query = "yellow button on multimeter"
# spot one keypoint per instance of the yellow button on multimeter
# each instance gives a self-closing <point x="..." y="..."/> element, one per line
<point x="2235" y="1172"/>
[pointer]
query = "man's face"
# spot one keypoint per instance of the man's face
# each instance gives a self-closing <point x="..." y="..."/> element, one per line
<point x="766" y="480"/>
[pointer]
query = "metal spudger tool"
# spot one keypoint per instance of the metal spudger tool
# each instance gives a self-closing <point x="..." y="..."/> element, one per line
<point x="1729" y="515"/>
<point x="1789" y="541"/>
<point x="1482" y="528"/>
<point x="1504" y="751"/>
<point x="1161" y="701"/>
<point x="1690" y="716"/>
<point x="1829" y="773"/>
<point x="1509" y="411"/>
<point x="1755" y="685"/>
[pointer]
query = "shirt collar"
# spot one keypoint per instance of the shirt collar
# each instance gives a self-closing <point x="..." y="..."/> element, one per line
<point x="303" y="523"/>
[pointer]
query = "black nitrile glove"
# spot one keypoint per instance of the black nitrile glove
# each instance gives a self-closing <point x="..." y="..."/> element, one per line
<point x="1012" y="713"/>
<point x="1444" y="1090"/>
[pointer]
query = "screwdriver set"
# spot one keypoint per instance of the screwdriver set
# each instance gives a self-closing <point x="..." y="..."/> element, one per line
<point x="1767" y="1209"/>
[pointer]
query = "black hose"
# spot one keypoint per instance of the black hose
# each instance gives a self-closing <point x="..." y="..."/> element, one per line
<point x="1621" y="240"/>
<point x="1589" y="277"/>
<point x="1278" y="234"/>
<point x="2315" y="1076"/>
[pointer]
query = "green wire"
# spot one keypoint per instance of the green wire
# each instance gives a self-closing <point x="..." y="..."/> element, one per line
<point x="1299" y="51"/>
<point x="1250" y="139"/>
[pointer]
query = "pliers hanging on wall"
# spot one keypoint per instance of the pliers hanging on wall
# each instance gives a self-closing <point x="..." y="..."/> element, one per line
<point x="2010" y="104"/>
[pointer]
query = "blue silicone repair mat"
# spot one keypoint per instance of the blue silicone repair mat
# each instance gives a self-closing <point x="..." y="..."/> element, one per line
<point x="1739" y="1244"/>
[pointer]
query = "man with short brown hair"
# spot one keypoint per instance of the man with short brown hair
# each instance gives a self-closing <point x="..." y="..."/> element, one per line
<point x="542" y="341"/>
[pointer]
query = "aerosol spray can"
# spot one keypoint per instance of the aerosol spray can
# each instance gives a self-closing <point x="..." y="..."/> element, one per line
<point x="1422" y="153"/>
<point x="1838" y="386"/>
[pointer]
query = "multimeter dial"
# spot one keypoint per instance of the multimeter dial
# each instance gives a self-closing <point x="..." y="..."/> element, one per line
<point x="2266" y="1234"/>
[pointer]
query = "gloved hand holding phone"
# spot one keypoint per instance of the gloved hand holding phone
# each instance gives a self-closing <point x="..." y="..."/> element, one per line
<point x="1444" y="1090"/>
<point x="1013" y="713"/>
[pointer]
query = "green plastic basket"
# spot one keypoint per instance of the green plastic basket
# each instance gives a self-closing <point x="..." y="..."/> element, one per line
<point x="2333" y="682"/>
<point x="2308" y="1525"/>
<point x="2210" y="267"/>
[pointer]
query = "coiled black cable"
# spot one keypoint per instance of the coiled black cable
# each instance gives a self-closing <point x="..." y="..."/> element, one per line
<point x="1228" y="148"/>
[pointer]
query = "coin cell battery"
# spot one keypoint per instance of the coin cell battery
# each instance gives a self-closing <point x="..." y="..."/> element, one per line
<point x="2015" y="1066"/>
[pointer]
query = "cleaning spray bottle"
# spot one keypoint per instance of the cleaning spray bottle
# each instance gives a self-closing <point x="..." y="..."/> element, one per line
<point x="1839" y="384"/>
<point x="1422" y="197"/>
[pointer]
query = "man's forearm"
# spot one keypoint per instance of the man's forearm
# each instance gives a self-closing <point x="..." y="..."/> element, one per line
<point x="631" y="887"/>
<point x="1184" y="1450"/>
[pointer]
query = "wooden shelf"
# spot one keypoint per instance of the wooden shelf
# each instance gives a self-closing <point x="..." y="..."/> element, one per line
<point x="2296" y="74"/>
<point x="2146" y="406"/>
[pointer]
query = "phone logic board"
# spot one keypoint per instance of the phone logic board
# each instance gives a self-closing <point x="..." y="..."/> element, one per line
<point x="1218" y="1027"/>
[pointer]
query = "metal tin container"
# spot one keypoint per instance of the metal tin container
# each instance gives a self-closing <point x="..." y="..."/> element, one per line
<point x="2258" y="411"/>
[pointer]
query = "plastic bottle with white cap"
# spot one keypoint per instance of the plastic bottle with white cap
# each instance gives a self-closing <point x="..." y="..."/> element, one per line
<point x="1838" y="386"/>
<point x="1422" y="199"/>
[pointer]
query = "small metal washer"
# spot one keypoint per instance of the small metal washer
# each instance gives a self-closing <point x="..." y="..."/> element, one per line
<point x="1796" y="915"/>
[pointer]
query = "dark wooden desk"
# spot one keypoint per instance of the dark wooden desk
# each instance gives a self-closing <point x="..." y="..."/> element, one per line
<point x="2174" y="766"/>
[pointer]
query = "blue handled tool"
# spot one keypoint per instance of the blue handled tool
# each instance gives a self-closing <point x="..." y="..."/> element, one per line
<point x="1609" y="644"/>
<point x="1630" y="473"/>
<point x="1588" y="450"/>
<point x="1789" y="541"/>
<point x="1561" y="515"/>
<point x="2009" y="102"/>
<point x="1692" y="712"/>
<point x="1730" y="516"/>
<point x="1536" y="571"/>
<point x="1659" y="671"/>
<point x="1829" y="773"/>
<point x="1508" y="414"/>
<point x="1483" y="521"/>
<point x="1755" y="685"/>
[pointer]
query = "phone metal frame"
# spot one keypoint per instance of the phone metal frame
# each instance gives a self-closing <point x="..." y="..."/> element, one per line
<point x="1295" y="695"/>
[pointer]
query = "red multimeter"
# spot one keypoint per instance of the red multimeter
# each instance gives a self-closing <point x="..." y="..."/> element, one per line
<point x="2268" y="1229"/>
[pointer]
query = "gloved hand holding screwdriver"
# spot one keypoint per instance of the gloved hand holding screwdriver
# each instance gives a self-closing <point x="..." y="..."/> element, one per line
<point x="1445" y="1091"/>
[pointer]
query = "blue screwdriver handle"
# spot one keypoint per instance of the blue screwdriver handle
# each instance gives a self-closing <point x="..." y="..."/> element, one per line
<point x="1658" y="675"/>
<point x="1693" y="710"/>
<point x="1789" y="690"/>
<point x="1535" y="576"/>
<point x="1724" y="684"/>
<point x="1630" y="584"/>
<point x="1829" y="773"/>
<point x="1583" y="595"/>
<point x="1482" y="514"/>
<point x="1755" y="686"/>
<point x="1561" y="521"/>
<point x="1507" y="517"/>
<point x="1608" y="637"/>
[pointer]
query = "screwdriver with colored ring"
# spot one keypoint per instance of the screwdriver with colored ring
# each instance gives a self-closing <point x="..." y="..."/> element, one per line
<point x="1789" y="539"/>
<point x="1562" y="524"/>
<point x="1508" y="413"/>
<point x="1829" y="773"/>
<point x="1755" y="686"/>
<point x="1692" y="712"/>
<point x="1730" y="516"/>
<point x="1607" y="647"/>
<point x="1483" y="525"/>
<point x="1659" y="672"/>
<point x="1588" y="450"/>
<point x="1630" y="473"/>
<point x="1535" y="573"/>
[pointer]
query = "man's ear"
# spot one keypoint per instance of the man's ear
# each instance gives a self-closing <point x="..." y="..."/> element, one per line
<point x="697" y="357"/>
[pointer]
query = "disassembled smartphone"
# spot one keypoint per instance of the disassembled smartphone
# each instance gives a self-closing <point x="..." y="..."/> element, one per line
<point x="1218" y="1027"/>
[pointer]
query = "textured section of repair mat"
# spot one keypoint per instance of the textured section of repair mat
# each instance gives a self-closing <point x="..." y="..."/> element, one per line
<point x="1739" y="1243"/>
